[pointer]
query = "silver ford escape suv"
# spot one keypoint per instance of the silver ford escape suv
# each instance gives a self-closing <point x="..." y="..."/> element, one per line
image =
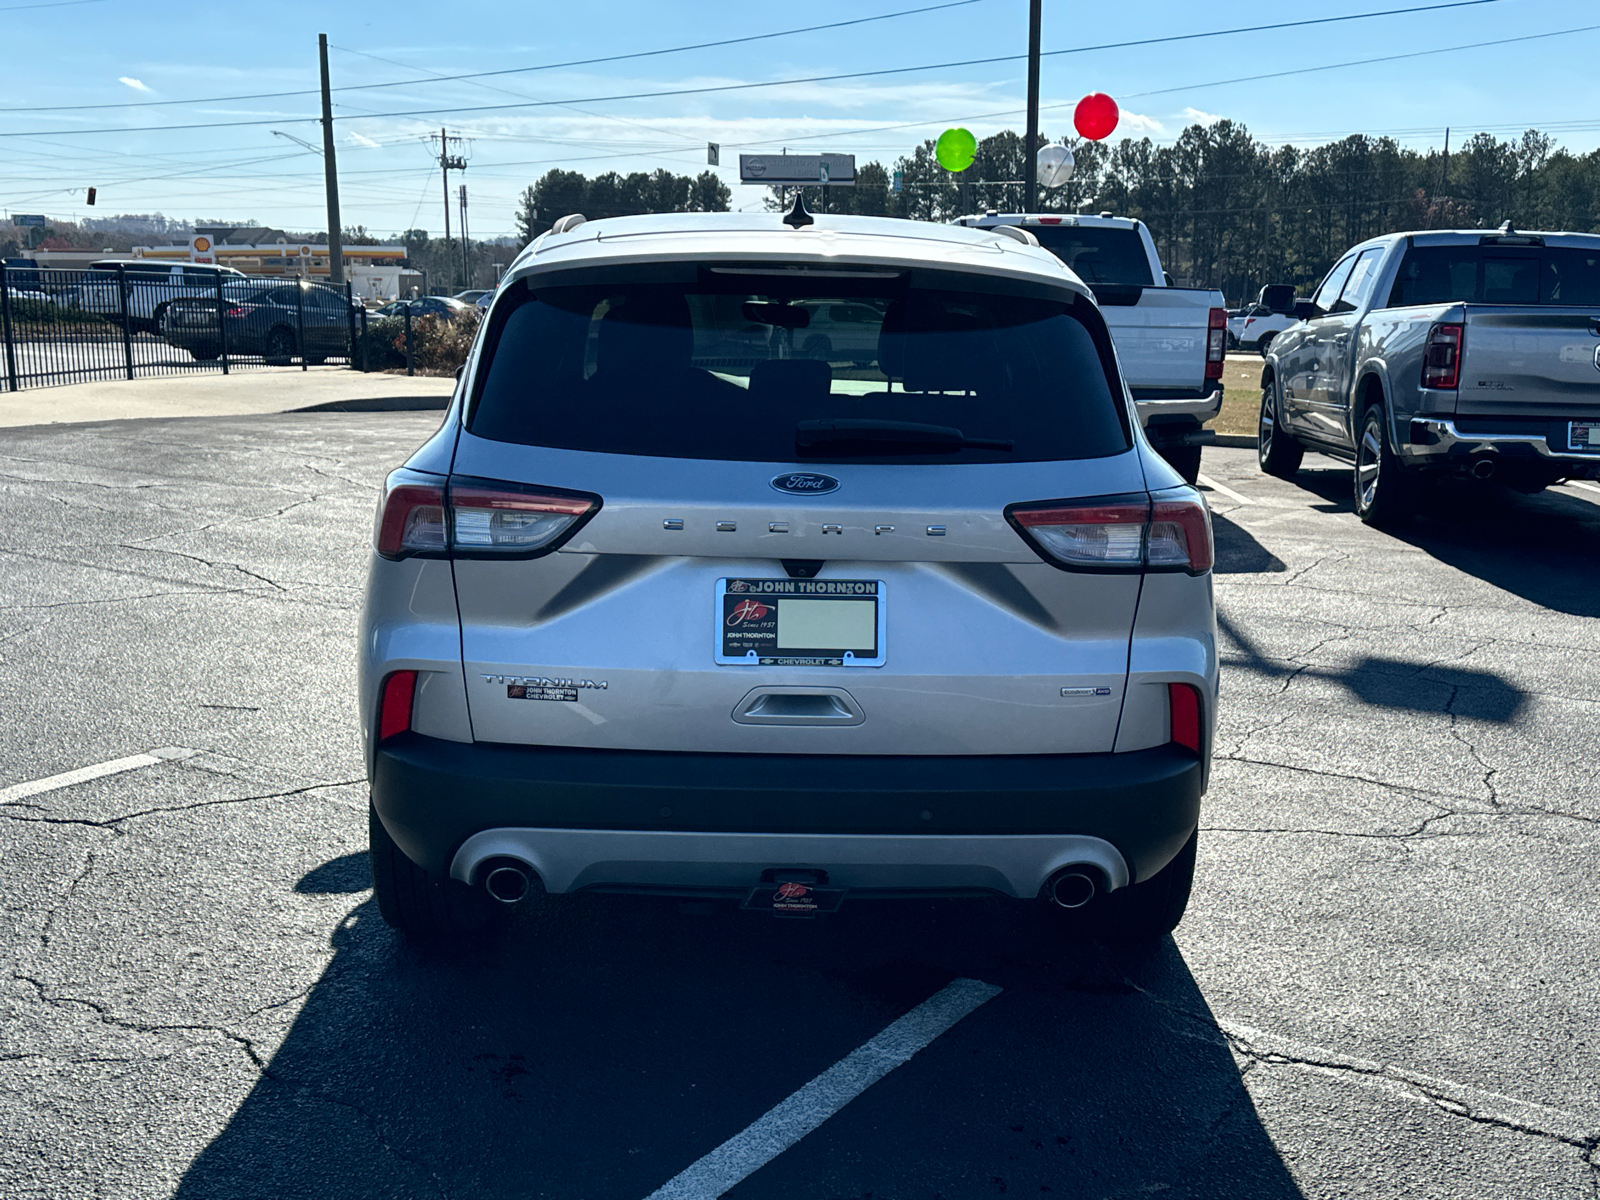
<point x="795" y="561"/>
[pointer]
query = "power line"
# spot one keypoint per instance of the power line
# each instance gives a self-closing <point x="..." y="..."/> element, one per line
<point x="580" y="62"/>
<point x="971" y="62"/>
<point x="740" y="87"/>
<point x="49" y="4"/>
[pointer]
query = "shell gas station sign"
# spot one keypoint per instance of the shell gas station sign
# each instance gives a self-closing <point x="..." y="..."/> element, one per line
<point x="201" y="249"/>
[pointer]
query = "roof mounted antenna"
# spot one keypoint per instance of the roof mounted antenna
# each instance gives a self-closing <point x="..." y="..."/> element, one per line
<point x="1506" y="230"/>
<point x="797" y="217"/>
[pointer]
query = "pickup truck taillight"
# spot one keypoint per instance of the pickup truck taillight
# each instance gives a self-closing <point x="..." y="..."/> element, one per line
<point x="479" y="518"/>
<point x="1216" y="342"/>
<point x="1441" y="356"/>
<point x="1119" y="533"/>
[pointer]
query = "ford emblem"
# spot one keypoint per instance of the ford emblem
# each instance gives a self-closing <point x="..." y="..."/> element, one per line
<point x="805" y="483"/>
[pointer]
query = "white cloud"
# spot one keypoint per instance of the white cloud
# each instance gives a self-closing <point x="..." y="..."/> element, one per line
<point x="358" y="140"/>
<point x="1133" y="122"/>
<point x="1197" y="116"/>
<point x="135" y="84"/>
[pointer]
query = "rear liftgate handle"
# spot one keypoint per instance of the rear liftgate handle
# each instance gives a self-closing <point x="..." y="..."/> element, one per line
<point x="798" y="706"/>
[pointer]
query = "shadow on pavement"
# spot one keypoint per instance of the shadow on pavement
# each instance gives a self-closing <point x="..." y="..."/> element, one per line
<point x="1390" y="682"/>
<point x="1543" y="548"/>
<point x="609" y="1041"/>
<point x="1238" y="552"/>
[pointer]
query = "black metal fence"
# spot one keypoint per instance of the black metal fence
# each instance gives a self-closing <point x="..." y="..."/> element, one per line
<point x="127" y="321"/>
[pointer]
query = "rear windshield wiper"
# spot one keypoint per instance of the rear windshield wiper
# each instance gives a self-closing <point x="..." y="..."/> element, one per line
<point x="861" y="435"/>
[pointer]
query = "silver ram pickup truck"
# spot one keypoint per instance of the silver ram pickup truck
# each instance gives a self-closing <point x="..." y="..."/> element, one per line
<point x="1466" y="353"/>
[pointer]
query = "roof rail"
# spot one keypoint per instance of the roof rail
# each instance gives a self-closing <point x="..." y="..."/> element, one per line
<point x="568" y="223"/>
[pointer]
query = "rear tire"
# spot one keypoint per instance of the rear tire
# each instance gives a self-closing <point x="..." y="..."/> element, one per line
<point x="1384" y="489"/>
<point x="204" y="355"/>
<point x="1277" y="453"/>
<point x="1144" y="912"/>
<point x="418" y="904"/>
<point x="1185" y="461"/>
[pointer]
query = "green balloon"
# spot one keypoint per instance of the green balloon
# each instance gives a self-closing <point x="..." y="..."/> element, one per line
<point x="955" y="149"/>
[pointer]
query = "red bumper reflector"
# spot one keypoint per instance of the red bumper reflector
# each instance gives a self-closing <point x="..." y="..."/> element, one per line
<point x="1185" y="704"/>
<point x="394" y="712"/>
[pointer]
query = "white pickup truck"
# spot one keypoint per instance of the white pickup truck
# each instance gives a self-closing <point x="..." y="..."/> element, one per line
<point x="1170" y="341"/>
<point x="148" y="287"/>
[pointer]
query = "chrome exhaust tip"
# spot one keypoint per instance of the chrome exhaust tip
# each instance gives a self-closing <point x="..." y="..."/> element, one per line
<point x="1072" y="888"/>
<point x="1483" y="468"/>
<point x="508" y="881"/>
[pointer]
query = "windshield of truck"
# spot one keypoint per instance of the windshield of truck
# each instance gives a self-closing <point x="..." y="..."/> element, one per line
<point x="1098" y="254"/>
<point x="730" y="368"/>
<point x="1472" y="274"/>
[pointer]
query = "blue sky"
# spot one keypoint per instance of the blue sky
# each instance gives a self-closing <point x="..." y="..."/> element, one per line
<point x="120" y="52"/>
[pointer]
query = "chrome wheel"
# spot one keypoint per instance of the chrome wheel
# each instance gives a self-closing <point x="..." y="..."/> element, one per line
<point x="1369" y="461"/>
<point x="1265" y="428"/>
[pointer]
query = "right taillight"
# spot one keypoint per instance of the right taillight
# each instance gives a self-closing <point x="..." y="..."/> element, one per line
<point x="1183" y="702"/>
<point x="1441" y="356"/>
<point x="1170" y="531"/>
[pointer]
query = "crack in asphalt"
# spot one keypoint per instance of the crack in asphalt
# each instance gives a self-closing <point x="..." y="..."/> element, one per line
<point x="217" y="565"/>
<point x="1444" y="1096"/>
<point x="113" y="822"/>
<point x="1472" y="750"/>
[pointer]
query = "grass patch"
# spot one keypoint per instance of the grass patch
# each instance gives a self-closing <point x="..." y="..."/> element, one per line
<point x="1241" y="396"/>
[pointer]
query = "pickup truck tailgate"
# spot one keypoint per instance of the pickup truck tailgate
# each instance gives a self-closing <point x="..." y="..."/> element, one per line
<point x="1160" y="336"/>
<point x="1525" y="360"/>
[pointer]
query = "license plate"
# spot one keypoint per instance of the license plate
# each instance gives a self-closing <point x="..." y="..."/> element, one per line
<point x="800" y="622"/>
<point x="1584" y="435"/>
<point x="793" y="899"/>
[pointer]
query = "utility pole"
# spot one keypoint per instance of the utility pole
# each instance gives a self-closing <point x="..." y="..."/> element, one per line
<point x="1030" y="167"/>
<point x="448" y="162"/>
<point x="330" y="173"/>
<point x="466" y="263"/>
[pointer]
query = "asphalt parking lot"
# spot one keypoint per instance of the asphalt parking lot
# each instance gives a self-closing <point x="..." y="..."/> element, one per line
<point x="1386" y="984"/>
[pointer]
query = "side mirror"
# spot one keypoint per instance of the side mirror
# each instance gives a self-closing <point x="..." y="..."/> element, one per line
<point x="1168" y="276"/>
<point x="1279" y="297"/>
<point x="1305" y="310"/>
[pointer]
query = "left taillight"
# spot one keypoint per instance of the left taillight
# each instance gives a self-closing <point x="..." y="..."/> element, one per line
<point x="1216" y="342"/>
<point x="477" y="518"/>
<point x="1183" y="703"/>
<point x="411" y="520"/>
<point x="490" y="519"/>
<point x="394" y="704"/>
<point x="1170" y="531"/>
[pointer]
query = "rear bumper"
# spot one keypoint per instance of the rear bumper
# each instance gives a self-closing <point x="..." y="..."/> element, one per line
<point x="1446" y="440"/>
<point x="588" y="818"/>
<point x="1153" y="404"/>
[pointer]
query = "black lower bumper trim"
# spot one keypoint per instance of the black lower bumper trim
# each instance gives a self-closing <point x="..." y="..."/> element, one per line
<point x="433" y="794"/>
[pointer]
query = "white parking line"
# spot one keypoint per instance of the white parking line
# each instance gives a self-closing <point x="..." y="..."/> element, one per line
<point x="21" y="791"/>
<point x="1578" y="483"/>
<point x="1210" y="484"/>
<point x="745" y="1153"/>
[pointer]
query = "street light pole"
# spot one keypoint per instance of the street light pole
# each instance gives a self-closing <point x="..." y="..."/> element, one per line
<point x="1030" y="167"/>
<point x="330" y="173"/>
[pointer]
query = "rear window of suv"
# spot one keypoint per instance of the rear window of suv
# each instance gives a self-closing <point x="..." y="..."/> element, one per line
<point x="1469" y="274"/>
<point x="729" y="366"/>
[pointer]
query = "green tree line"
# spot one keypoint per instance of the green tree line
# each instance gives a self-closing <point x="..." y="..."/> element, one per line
<point x="558" y="193"/>
<point x="1231" y="212"/>
<point x="1226" y="210"/>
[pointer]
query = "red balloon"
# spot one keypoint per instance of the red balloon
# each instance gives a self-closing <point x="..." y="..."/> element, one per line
<point x="1096" y="116"/>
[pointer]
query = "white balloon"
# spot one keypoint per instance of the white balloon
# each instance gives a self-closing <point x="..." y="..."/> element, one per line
<point x="1055" y="165"/>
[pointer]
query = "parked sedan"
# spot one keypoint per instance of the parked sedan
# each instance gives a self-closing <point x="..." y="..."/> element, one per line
<point x="427" y="306"/>
<point x="277" y="321"/>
